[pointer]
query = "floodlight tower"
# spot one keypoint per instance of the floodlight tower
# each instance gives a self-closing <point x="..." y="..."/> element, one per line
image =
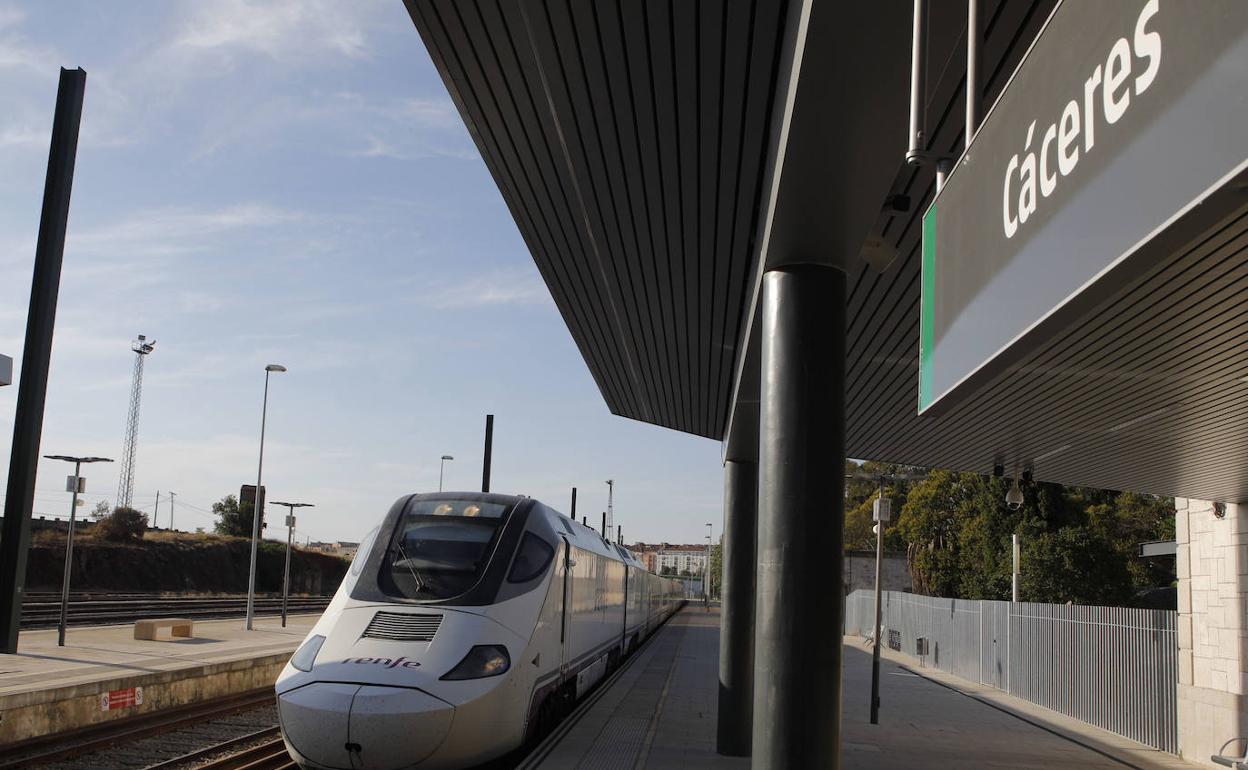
<point x="610" y="506"/>
<point x="125" y="477"/>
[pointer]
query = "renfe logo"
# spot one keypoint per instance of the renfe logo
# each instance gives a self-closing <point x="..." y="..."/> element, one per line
<point x="1115" y="100"/>
<point x="386" y="662"/>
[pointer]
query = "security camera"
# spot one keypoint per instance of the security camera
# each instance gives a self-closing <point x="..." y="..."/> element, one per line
<point x="1014" y="498"/>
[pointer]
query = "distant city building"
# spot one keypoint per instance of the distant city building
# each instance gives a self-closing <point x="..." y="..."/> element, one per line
<point x="337" y="548"/>
<point x="673" y="559"/>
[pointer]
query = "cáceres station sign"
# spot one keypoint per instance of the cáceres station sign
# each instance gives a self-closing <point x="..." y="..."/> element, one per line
<point x="1122" y="117"/>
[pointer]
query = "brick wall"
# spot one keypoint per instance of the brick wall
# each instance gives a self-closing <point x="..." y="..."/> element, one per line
<point x="1212" y="567"/>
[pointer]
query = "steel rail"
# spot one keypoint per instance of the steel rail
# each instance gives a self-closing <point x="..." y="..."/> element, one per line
<point x="200" y="755"/>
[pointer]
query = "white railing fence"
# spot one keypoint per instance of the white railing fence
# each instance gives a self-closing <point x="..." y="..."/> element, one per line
<point x="1112" y="667"/>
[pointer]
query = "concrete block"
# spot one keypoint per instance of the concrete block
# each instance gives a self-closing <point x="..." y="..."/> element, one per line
<point x="1185" y="667"/>
<point x="1180" y="504"/>
<point x="1185" y="632"/>
<point x="1182" y="567"/>
<point x="1202" y="671"/>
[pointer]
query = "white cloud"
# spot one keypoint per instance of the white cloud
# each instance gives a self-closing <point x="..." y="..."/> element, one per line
<point x="501" y="287"/>
<point x="175" y="230"/>
<point x="15" y="51"/>
<point x="22" y="136"/>
<point x="280" y="30"/>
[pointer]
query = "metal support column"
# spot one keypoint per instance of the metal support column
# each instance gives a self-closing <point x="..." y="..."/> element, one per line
<point x="32" y="389"/>
<point x="736" y="634"/>
<point x="801" y="512"/>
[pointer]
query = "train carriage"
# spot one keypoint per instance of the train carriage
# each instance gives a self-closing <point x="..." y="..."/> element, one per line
<point x="466" y="625"/>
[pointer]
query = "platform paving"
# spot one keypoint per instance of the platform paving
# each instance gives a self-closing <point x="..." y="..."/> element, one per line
<point x="660" y="713"/>
<point x="108" y="652"/>
<point x="45" y="688"/>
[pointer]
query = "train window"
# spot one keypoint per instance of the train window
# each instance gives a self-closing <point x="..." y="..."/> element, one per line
<point x="441" y="548"/>
<point x="531" y="560"/>
<point x="361" y="553"/>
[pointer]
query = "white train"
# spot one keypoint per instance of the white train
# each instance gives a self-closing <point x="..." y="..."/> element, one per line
<point x="466" y="624"/>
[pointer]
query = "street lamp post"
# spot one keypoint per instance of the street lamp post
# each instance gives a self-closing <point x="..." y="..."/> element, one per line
<point x="706" y="577"/>
<point x="75" y="484"/>
<point x="441" y="468"/>
<point x="255" y="508"/>
<point x="290" y="528"/>
<point x="882" y="512"/>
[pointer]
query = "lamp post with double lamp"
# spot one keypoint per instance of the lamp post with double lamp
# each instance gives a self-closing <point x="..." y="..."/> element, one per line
<point x="881" y="513"/>
<point x="441" y="468"/>
<point x="290" y="529"/>
<point x="75" y="484"/>
<point x="706" y="577"/>
<point x="256" y="507"/>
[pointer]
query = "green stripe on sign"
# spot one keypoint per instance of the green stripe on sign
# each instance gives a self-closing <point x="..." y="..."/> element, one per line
<point x="927" y="312"/>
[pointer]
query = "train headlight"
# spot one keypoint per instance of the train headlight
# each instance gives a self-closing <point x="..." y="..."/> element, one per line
<point x="306" y="655"/>
<point x="481" y="661"/>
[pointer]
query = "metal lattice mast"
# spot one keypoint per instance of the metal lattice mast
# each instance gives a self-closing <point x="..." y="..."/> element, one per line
<point x="125" y="476"/>
<point x="610" y="505"/>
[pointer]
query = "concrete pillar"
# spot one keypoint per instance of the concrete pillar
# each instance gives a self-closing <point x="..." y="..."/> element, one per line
<point x="1212" y="567"/>
<point x="801" y="512"/>
<point x="736" y="634"/>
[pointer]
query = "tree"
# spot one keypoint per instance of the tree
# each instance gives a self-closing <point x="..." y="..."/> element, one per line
<point x="717" y="568"/>
<point x="1078" y="544"/>
<point x="667" y="570"/>
<point x="234" y="518"/>
<point x="101" y="510"/>
<point x="123" y="524"/>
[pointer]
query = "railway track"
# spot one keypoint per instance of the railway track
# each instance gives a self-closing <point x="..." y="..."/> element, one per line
<point x="43" y="611"/>
<point x="63" y="746"/>
<point x="243" y="753"/>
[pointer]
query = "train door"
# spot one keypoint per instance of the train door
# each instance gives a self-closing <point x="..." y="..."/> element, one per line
<point x="565" y="628"/>
<point x="624" y="624"/>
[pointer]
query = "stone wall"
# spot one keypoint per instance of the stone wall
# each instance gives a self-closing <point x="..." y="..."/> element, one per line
<point x="1212" y="566"/>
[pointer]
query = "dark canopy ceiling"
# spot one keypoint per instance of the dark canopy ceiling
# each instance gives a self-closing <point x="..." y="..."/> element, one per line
<point x="650" y="152"/>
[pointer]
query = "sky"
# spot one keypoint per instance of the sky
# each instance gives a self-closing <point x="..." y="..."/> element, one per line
<point x="289" y="182"/>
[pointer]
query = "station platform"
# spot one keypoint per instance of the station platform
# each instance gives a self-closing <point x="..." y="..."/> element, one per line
<point x="660" y="713"/>
<point x="104" y="673"/>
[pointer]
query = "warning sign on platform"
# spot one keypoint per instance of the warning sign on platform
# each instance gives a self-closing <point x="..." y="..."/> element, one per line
<point x="120" y="699"/>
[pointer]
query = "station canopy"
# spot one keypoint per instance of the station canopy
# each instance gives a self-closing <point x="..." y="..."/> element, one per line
<point x="659" y="156"/>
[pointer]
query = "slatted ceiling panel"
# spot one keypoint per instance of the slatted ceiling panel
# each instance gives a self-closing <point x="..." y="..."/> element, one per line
<point x="518" y="154"/>
<point x="629" y="140"/>
<point x="594" y="146"/>
<point x="764" y="24"/>
<point x="518" y="151"/>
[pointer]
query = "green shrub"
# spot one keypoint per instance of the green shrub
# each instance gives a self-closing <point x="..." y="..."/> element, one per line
<point x="122" y="524"/>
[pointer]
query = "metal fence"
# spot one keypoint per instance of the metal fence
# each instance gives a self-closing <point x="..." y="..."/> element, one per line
<point x="1112" y="667"/>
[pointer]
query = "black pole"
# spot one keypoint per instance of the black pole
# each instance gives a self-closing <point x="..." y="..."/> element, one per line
<point x="604" y="525"/>
<point x="736" y="639"/>
<point x="619" y="534"/>
<point x="875" y="652"/>
<point x="489" y="450"/>
<point x="37" y="353"/>
<point x="801" y="515"/>
<point x="585" y="520"/>
<point x="573" y="514"/>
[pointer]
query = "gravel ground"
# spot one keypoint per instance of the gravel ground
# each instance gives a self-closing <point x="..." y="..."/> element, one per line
<point x="159" y="748"/>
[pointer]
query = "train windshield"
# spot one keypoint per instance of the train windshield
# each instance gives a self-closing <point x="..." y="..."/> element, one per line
<point x="441" y="548"/>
